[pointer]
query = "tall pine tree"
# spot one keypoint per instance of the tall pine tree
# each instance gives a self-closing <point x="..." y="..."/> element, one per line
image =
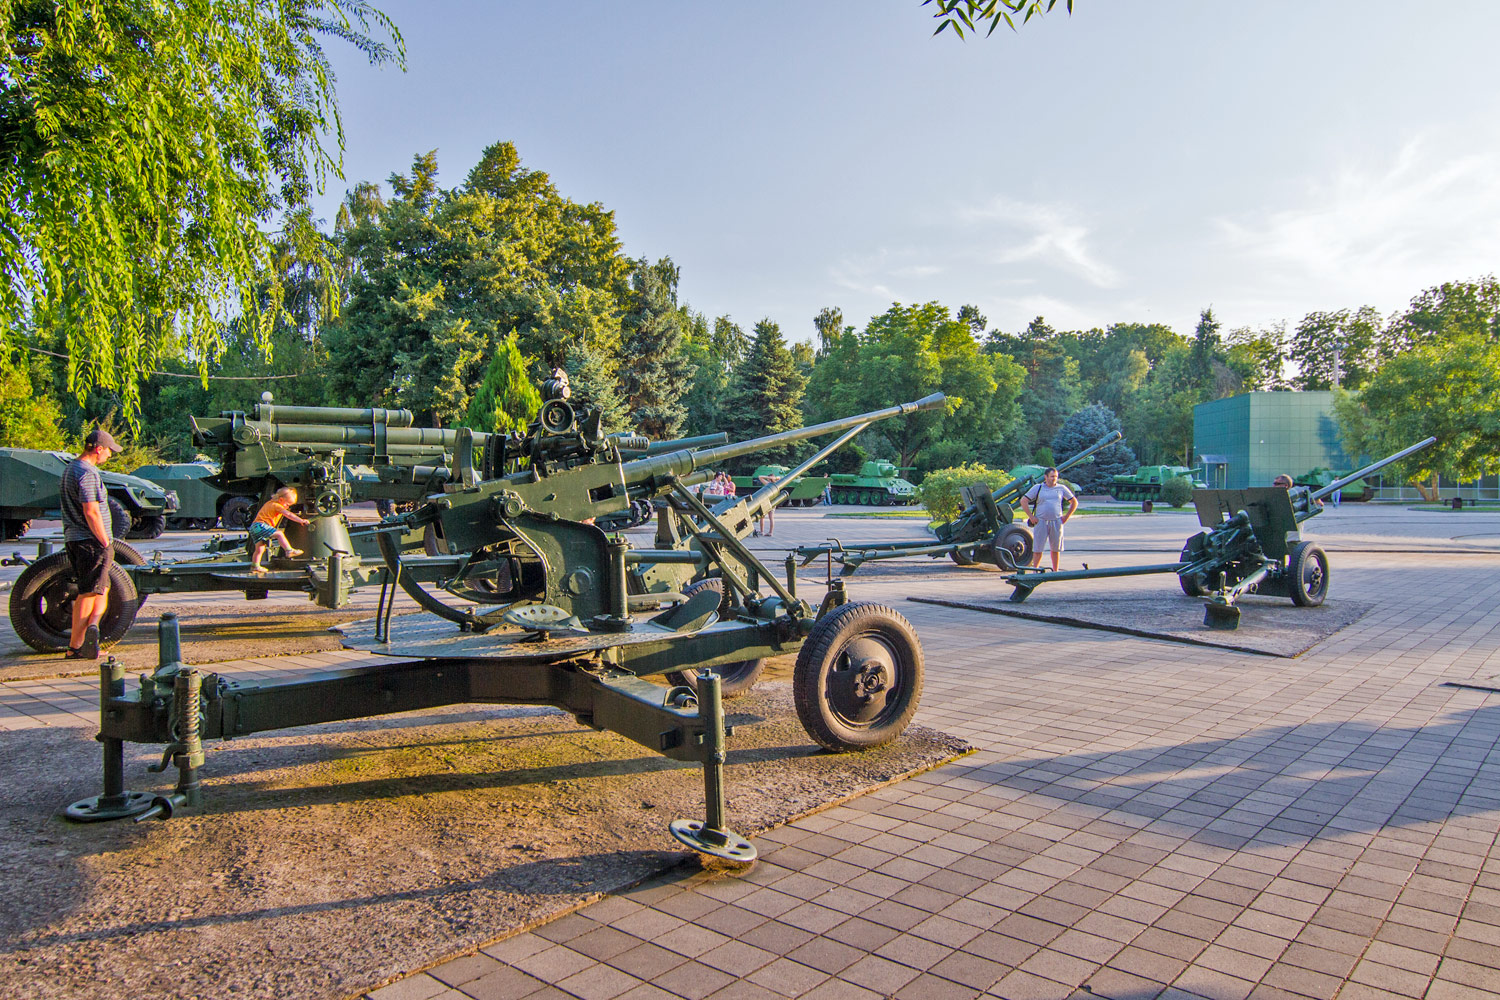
<point x="655" y="373"/>
<point x="765" y="392"/>
<point x="505" y="401"/>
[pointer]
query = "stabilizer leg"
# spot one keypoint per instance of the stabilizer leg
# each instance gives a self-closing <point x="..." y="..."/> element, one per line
<point x="712" y="837"/>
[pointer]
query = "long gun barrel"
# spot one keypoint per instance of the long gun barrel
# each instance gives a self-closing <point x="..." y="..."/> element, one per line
<point x="276" y="413"/>
<point x="680" y="463"/>
<point x="633" y="447"/>
<point x="1339" y="484"/>
<point x="1016" y="486"/>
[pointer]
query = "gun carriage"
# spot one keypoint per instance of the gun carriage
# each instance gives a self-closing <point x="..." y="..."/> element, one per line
<point x="984" y="528"/>
<point x="538" y="605"/>
<point x="1251" y="544"/>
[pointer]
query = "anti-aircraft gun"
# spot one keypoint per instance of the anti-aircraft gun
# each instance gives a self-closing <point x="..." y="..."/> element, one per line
<point x="1251" y="544"/>
<point x="536" y="608"/>
<point x="984" y="528"/>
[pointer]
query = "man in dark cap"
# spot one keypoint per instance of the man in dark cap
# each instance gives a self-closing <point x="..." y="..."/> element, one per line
<point x="88" y="538"/>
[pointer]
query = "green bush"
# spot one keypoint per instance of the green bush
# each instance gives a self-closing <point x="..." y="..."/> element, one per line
<point x="1177" y="491"/>
<point x="939" y="489"/>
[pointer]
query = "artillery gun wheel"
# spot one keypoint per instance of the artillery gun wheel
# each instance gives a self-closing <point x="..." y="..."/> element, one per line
<point x="41" y="604"/>
<point x="1307" y="574"/>
<point x="12" y="528"/>
<point x="1195" y="584"/>
<point x="858" y="677"/>
<point x="960" y="558"/>
<point x="237" y="512"/>
<point x="1018" y="542"/>
<point x="735" y="678"/>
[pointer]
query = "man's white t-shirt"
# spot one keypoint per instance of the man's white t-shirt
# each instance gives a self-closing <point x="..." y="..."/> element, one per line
<point x="1048" y="501"/>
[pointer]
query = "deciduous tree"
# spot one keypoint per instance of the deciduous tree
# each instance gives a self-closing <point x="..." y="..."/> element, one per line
<point x="144" y="148"/>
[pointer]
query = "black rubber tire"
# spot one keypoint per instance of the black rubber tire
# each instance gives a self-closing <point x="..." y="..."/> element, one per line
<point x="1018" y="541"/>
<point x="119" y="519"/>
<point x="735" y="678"/>
<point x="12" y="528"/>
<point x="41" y="604"/>
<point x="843" y="648"/>
<point x="236" y="513"/>
<point x="385" y="508"/>
<point x="1194" y="585"/>
<point x="959" y="558"/>
<point x="1307" y="574"/>
<point x="147" y="526"/>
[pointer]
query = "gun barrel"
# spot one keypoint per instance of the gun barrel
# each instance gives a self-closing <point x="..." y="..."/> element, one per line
<point x="640" y="447"/>
<point x="1016" y="485"/>
<point x="274" y="413"/>
<point x="334" y="436"/>
<point x="684" y="461"/>
<point x="1339" y="484"/>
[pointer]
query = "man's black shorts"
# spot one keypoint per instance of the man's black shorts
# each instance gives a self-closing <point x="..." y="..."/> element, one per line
<point x="91" y="562"/>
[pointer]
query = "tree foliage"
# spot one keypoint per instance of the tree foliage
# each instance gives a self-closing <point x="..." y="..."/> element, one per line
<point x="971" y="15"/>
<point x="1356" y="338"/>
<point x="506" y="401"/>
<point x="438" y="275"/>
<point x="1079" y="432"/>
<point x="654" y="372"/>
<point x="765" y="392"/>
<point x="143" y="146"/>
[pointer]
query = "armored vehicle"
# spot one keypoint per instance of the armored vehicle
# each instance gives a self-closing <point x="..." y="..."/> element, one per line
<point x="1146" y="482"/>
<point x="1356" y="492"/>
<point x="878" y="483"/>
<point x="200" y="503"/>
<point x="28" y="490"/>
<point x="807" y="491"/>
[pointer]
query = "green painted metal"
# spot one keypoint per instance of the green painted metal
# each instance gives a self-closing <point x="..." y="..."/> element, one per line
<point x="986" y="523"/>
<point x="878" y="483"/>
<point x="807" y="491"/>
<point x="1251" y="543"/>
<point x="29" y="490"/>
<point x="556" y="618"/>
<point x="1146" y="482"/>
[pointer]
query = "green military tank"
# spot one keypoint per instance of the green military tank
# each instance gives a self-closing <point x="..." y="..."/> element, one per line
<point x="1356" y="492"/>
<point x="877" y="484"/>
<point x="29" y="489"/>
<point x="200" y="504"/>
<point x="807" y="491"/>
<point x="1147" y="481"/>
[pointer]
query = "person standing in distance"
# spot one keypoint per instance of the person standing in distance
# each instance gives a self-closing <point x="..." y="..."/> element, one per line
<point x="88" y="538"/>
<point x="1055" y="503"/>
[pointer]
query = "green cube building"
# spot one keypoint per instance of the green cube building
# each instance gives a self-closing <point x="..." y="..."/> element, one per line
<point x="1249" y="439"/>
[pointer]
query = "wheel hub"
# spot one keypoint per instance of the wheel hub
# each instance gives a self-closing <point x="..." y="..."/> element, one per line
<point x="861" y="683"/>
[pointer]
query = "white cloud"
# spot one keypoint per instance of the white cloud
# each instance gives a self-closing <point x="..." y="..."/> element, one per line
<point x="1421" y="217"/>
<point x="1020" y="231"/>
<point x="880" y="273"/>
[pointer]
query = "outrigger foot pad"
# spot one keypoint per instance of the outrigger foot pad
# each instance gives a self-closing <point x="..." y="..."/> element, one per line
<point x="724" y="844"/>
<point x="105" y="807"/>
<point x="1225" y="617"/>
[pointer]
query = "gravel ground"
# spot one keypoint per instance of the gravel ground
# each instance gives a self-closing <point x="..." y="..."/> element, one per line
<point x="329" y="859"/>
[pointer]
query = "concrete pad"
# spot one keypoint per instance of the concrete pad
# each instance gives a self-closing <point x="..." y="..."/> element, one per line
<point x="1268" y="626"/>
<point x="327" y="860"/>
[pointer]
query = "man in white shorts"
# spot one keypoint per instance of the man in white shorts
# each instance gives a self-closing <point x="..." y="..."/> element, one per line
<point x="1054" y="504"/>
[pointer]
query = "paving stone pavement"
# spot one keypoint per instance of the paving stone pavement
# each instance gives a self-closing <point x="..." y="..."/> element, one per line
<point x="1142" y="819"/>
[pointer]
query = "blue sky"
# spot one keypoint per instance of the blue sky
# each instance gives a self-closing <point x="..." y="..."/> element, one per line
<point x="1137" y="161"/>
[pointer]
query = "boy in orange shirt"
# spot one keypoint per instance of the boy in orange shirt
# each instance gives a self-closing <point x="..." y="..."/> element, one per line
<point x="266" y="526"/>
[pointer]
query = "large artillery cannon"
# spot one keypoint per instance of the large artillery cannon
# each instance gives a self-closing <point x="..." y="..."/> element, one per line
<point x="1251" y="543"/>
<point x="538" y="605"/>
<point x="984" y="528"/>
